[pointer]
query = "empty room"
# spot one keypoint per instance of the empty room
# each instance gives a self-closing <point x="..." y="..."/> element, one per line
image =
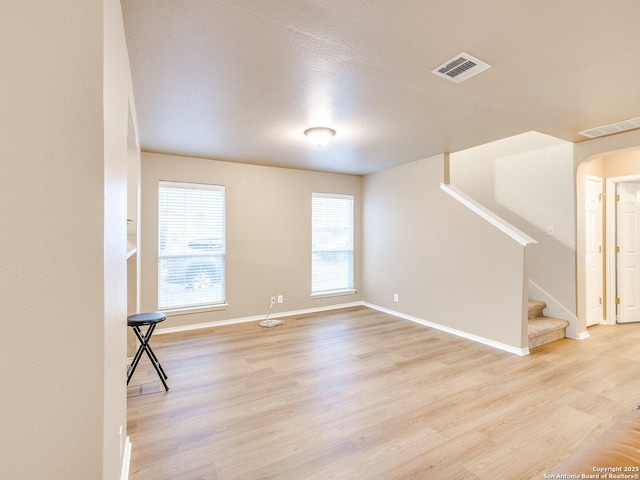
<point x="277" y="239"/>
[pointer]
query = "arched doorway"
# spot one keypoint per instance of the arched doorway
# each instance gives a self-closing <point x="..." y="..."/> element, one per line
<point x="612" y="168"/>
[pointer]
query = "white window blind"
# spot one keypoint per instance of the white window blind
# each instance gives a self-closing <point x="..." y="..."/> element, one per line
<point x="191" y="245"/>
<point x="331" y="243"/>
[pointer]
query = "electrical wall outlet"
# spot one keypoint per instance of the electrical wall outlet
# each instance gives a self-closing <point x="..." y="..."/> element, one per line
<point x="273" y="300"/>
<point x="280" y="299"/>
<point x="395" y="297"/>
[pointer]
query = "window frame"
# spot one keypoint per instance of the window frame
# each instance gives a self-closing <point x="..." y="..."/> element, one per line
<point x="349" y="289"/>
<point x="209" y="248"/>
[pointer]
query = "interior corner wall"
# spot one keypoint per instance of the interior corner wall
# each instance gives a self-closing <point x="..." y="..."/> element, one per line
<point x="119" y="125"/>
<point x="447" y="265"/>
<point x="529" y="181"/>
<point x="268" y="214"/>
<point x="52" y="360"/>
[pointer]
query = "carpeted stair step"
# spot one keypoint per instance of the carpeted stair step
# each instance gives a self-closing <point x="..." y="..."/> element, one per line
<point x="535" y="308"/>
<point x="544" y="329"/>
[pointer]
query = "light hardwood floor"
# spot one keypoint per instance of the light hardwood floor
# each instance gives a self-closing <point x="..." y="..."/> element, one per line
<point x="358" y="394"/>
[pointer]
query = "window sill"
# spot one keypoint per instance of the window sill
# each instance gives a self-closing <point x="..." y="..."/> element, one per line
<point x="203" y="309"/>
<point x="335" y="293"/>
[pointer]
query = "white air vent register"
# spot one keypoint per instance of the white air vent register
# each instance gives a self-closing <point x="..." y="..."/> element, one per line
<point x="611" y="128"/>
<point x="460" y="68"/>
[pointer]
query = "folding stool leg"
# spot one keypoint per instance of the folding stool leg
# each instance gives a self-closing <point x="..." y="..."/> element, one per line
<point x="144" y="345"/>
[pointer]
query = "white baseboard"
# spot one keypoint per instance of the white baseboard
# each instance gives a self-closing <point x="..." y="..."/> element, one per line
<point x="126" y="460"/>
<point x="255" y="318"/>
<point x="259" y="318"/>
<point x="582" y="336"/>
<point x="453" y="331"/>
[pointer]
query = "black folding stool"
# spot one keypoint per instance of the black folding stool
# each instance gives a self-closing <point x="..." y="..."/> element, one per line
<point x="151" y="319"/>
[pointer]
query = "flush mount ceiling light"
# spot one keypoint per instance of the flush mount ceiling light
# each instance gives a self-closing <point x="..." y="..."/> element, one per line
<point x="319" y="135"/>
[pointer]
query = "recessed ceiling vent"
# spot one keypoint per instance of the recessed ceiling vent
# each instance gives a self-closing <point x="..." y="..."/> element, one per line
<point x="612" y="128"/>
<point x="460" y="68"/>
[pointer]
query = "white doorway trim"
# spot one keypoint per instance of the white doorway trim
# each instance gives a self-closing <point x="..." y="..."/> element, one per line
<point x="610" y="194"/>
<point x="584" y="153"/>
<point x="593" y="248"/>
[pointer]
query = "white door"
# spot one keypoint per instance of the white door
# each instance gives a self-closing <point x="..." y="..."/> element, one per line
<point x="593" y="248"/>
<point x="628" y="258"/>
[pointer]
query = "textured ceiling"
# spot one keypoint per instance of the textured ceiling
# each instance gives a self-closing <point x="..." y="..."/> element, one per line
<point x="241" y="80"/>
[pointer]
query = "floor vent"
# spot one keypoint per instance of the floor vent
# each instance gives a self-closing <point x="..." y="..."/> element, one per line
<point x="460" y="68"/>
<point x="612" y="128"/>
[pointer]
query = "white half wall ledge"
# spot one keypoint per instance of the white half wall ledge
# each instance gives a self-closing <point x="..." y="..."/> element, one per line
<point x="498" y="222"/>
<point x="468" y="336"/>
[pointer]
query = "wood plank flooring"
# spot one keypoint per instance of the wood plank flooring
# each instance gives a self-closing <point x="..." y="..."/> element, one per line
<point x="359" y="394"/>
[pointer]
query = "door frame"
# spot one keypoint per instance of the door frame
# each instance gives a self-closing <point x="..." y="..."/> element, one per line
<point x="600" y="180"/>
<point x="611" y="277"/>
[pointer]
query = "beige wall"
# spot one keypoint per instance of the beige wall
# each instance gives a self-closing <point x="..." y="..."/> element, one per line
<point x="61" y="350"/>
<point x="622" y="164"/>
<point x="595" y="167"/>
<point x="268" y="233"/>
<point x="528" y="181"/>
<point x="447" y="265"/>
<point x="120" y="145"/>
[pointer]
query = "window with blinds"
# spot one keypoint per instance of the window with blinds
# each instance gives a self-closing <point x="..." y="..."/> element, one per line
<point x="331" y="244"/>
<point x="191" y="245"/>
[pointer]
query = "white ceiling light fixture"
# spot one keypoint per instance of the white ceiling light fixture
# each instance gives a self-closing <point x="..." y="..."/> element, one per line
<point x="460" y="68"/>
<point x="319" y="135"/>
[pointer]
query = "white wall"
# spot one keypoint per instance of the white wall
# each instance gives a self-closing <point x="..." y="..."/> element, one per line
<point x="120" y="145"/>
<point x="528" y="180"/>
<point x="60" y="304"/>
<point x="268" y="233"/>
<point x="447" y="265"/>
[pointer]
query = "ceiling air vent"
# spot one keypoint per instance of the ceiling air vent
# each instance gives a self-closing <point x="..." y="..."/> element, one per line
<point x="460" y="68"/>
<point x="617" y="127"/>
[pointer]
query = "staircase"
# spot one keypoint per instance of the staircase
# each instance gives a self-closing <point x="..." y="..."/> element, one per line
<point x="543" y="329"/>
